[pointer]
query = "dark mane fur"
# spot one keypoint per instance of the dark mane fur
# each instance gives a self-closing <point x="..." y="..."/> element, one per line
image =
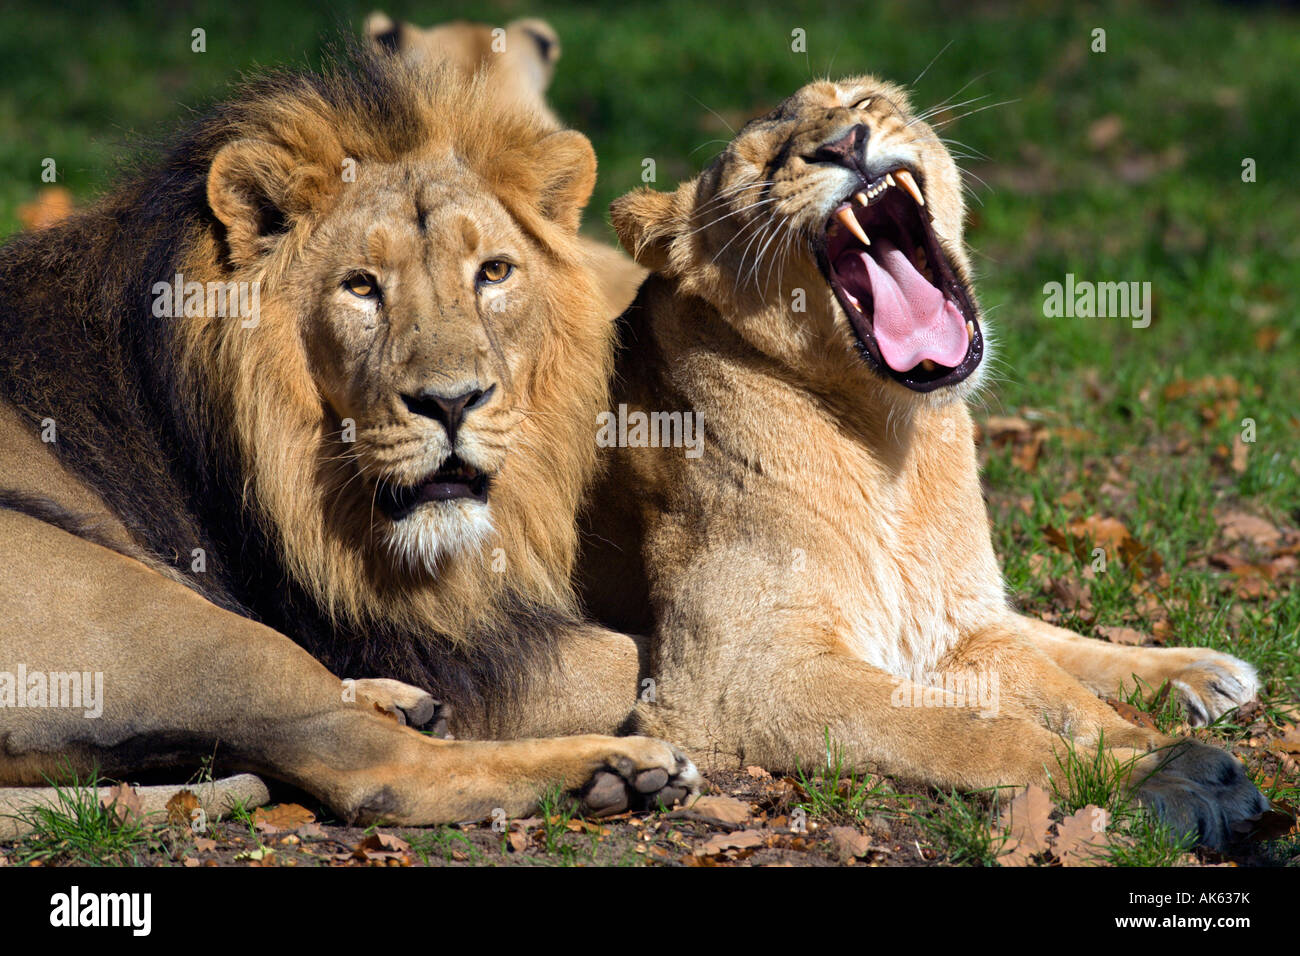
<point x="82" y="347"/>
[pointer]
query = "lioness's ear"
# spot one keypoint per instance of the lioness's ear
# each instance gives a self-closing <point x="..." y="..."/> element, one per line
<point x="540" y="39"/>
<point x="250" y="189"/>
<point x="566" y="167"/>
<point x="643" y="221"/>
<point x="383" y="32"/>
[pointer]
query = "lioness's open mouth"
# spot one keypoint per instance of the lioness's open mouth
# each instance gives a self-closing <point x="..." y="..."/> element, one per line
<point x="455" y="480"/>
<point x="913" y="317"/>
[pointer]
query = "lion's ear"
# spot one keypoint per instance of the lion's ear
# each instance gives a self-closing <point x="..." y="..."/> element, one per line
<point x="384" y="33"/>
<point x="643" y="221"/>
<point x="251" y="190"/>
<point x="566" y="167"/>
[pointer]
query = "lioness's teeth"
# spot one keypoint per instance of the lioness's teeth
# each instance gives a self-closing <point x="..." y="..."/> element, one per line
<point x="845" y="215"/>
<point x="908" y="183"/>
<point x="927" y="365"/>
<point x="970" y="328"/>
<point x="861" y="198"/>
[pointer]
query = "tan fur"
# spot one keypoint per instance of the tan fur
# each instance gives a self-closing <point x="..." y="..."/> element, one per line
<point x="519" y="62"/>
<point x="829" y="554"/>
<point x="472" y="179"/>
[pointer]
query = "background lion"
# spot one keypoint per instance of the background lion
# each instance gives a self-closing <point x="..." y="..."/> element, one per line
<point x="823" y="574"/>
<point x="312" y="394"/>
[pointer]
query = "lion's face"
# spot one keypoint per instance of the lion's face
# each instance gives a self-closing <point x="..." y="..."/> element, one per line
<point x="431" y="352"/>
<point x="429" y="309"/>
<point x="841" y="212"/>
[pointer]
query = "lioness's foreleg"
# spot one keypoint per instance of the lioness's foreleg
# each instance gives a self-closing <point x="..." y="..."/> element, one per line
<point x="1210" y="683"/>
<point x="178" y="676"/>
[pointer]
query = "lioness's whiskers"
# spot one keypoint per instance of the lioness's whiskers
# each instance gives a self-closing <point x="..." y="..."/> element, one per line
<point x="973" y="112"/>
<point x="734" y="212"/>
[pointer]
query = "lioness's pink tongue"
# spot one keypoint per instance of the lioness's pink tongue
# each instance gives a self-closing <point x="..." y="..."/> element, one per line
<point x="913" y="320"/>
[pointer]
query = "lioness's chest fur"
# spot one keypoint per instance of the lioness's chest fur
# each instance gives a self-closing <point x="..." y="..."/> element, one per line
<point x="834" y="515"/>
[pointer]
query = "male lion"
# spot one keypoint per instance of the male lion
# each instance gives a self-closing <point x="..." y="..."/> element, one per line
<point x="519" y="60"/>
<point x="824" y="567"/>
<point x="314" y="394"/>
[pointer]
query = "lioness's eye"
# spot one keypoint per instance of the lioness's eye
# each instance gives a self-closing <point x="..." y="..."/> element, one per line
<point x="494" y="271"/>
<point x="362" y="284"/>
<point x="862" y="104"/>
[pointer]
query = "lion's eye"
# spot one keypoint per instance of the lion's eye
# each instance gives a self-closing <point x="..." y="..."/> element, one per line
<point x="494" y="271"/>
<point x="362" y="284"/>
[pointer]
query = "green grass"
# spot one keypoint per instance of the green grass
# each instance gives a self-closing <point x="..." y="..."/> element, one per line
<point x="836" y="793"/>
<point x="76" y="830"/>
<point x="443" y="843"/>
<point x="965" y="826"/>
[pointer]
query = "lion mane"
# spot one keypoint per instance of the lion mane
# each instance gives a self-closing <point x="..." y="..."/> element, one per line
<point x="204" y="438"/>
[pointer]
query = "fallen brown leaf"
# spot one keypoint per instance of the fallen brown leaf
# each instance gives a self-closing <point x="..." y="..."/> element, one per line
<point x="124" y="803"/>
<point x="1124" y="635"/>
<point x="286" y="816"/>
<point x="1026" y="822"/>
<point x="181" y="807"/>
<point x="1237" y="525"/>
<point x="849" y="843"/>
<point x="1080" y="837"/>
<point x="721" y="842"/>
<point x="723" y="809"/>
<point x="1139" y="718"/>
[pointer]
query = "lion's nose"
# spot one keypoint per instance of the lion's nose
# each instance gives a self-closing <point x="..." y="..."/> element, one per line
<point x="449" y="410"/>
<point x="848" y="149"/>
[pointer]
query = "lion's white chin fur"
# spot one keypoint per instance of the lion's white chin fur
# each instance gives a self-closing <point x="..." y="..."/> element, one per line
<point x="439" y="531"/>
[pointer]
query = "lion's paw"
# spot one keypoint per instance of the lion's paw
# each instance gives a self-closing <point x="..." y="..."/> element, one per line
<point x="1200" y="789"/>
<point x="1213" y="685"/>
<point x="408" y="705"/>
<point x="642" y="773"/>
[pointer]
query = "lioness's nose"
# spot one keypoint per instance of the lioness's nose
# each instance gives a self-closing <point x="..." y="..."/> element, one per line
<point x="847" y="149"/>
<point x="449" y="410"/>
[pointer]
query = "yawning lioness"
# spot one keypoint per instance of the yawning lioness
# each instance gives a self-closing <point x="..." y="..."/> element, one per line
<point x="825" y="568"/>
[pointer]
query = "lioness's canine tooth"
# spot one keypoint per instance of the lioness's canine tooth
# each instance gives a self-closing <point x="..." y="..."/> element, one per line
<point x="845" y="215"/>
<point x="970" y="328"/>
<point x="909" y="184"/>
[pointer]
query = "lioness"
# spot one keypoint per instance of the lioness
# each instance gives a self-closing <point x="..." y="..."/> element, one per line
<point x="824" y="566"/>
<point x="312" y="397"/>
<point x="519" y="60"/>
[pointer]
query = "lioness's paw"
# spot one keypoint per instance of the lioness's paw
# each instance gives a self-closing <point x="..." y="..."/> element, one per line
<point x="1198" y="788"/>
<point x="642" y="773"/>
<point x="405" y="704"/>
<point x="1213" y="685"/>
